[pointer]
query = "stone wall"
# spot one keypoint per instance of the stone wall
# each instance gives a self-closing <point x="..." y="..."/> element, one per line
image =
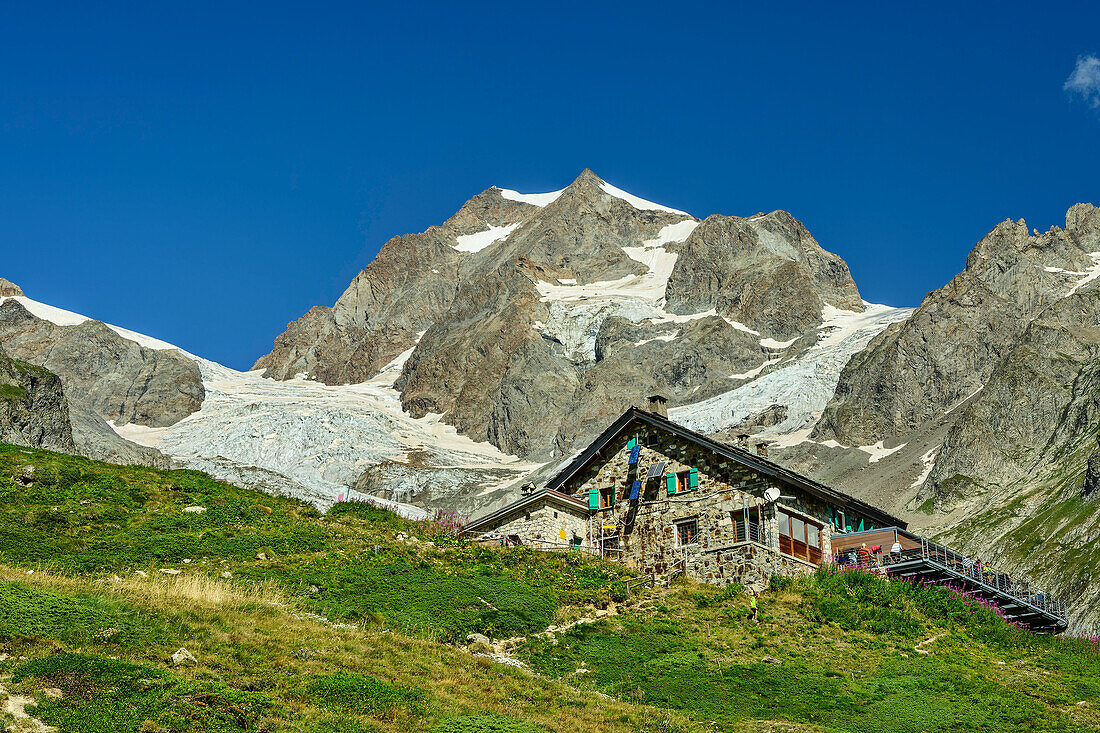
<point x="749" y="564"/>
<point x="543" y="521"/>
<point x="646" y="530"/>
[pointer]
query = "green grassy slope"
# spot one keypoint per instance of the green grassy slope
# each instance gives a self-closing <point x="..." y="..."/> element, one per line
<point x="845" y="651"/>
<point x="300" y="622"/>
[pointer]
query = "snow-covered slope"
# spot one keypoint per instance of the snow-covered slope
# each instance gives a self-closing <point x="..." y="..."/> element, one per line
<point x="298" y="437"/>
<point x="803" y="385"/>
<point x="319" y="436"/>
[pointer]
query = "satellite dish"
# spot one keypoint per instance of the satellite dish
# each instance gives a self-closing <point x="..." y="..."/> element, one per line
<point x="772" y="494"/>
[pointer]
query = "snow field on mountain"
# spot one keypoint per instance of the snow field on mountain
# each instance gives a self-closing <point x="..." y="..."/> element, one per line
<point x="545" y="199"/>
<point x="803" y="385"/>
<point x="535" y="199"/>
<point x="638" y="203"/>
<point x="1090" y="274"/>
<point x="649" y="287"/>
<point x="929" y="461"/>
<point x="578" y="311"/>
<point x="480" y="240"/>
<point x="316" y="435"/>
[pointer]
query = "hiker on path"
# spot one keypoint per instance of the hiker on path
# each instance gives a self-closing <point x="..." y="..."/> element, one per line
<point x="752" y="606"/>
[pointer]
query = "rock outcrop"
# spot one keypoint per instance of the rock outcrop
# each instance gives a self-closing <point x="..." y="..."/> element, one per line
<point x="33" y="408"/>
<point x="917" y="370"/>
<point x="767" y="272"/>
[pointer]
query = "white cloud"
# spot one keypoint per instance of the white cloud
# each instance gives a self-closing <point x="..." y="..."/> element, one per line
<point x="1085" y="80"/>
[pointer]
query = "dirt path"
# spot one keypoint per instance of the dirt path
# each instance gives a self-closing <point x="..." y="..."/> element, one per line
<point x="15" y="706"/>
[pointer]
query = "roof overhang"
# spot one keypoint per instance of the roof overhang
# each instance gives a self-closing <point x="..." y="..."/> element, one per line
<point x="557" y="498"/>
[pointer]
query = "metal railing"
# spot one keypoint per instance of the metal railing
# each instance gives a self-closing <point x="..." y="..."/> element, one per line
<point x="973" y="572"/>
<point x="741" y="531"/>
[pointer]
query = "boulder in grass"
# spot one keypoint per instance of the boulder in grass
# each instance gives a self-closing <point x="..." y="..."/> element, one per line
<point x="183" y="658"/>
<point x="478" y="644"/>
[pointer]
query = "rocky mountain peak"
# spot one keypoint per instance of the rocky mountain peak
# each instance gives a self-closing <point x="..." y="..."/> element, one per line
<point x="8" y="289"/>
<point x="529" y="320"/>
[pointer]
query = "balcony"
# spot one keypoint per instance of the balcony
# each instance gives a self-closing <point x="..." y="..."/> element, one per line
<point x="922" y="559"/>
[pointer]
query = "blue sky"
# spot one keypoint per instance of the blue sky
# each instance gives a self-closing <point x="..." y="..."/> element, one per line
<point x="205" y="173"/>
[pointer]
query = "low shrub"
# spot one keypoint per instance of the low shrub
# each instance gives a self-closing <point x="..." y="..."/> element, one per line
<point x="102" y="695"/>
<point x="27" y="612"/>
<point x="362" y="695"/>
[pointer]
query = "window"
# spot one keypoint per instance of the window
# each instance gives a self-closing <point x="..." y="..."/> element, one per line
<point x="687" y="532"/>
<point x="609" y="546"/>
<point x="607" y="497"/>
<point x="555" y="515"/>
<point x="746" y="524"/>
<point x="799" y="536"/>
<point x="683" y="482"/>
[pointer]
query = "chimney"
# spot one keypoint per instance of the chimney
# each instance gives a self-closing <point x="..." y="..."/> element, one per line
<point x="743" y="440"/>
<point x="762" y="449"/>
<point x="658" y="404"/>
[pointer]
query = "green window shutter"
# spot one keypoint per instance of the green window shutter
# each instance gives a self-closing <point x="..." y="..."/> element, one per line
<point x="693" y="478"/>
<point x="593" y="498"/>
<point x="631" y="443"/>
<point x="861" y="524"/>
<point x="670" y="482"/>
<point x="614" y="495"/>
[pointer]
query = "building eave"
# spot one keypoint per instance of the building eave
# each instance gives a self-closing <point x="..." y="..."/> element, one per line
<point x="552" y="496"/>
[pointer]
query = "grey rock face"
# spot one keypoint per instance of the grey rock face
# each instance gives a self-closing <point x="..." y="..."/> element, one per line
<point x="33" y="408"/>
<point x="402" y="292"/>
<point x="766" y="271"/>
<point x="458" y="489"/>
<point x="116" y="378"/>
<point x="915" y="371"/>
<point x="94" y="438"/>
